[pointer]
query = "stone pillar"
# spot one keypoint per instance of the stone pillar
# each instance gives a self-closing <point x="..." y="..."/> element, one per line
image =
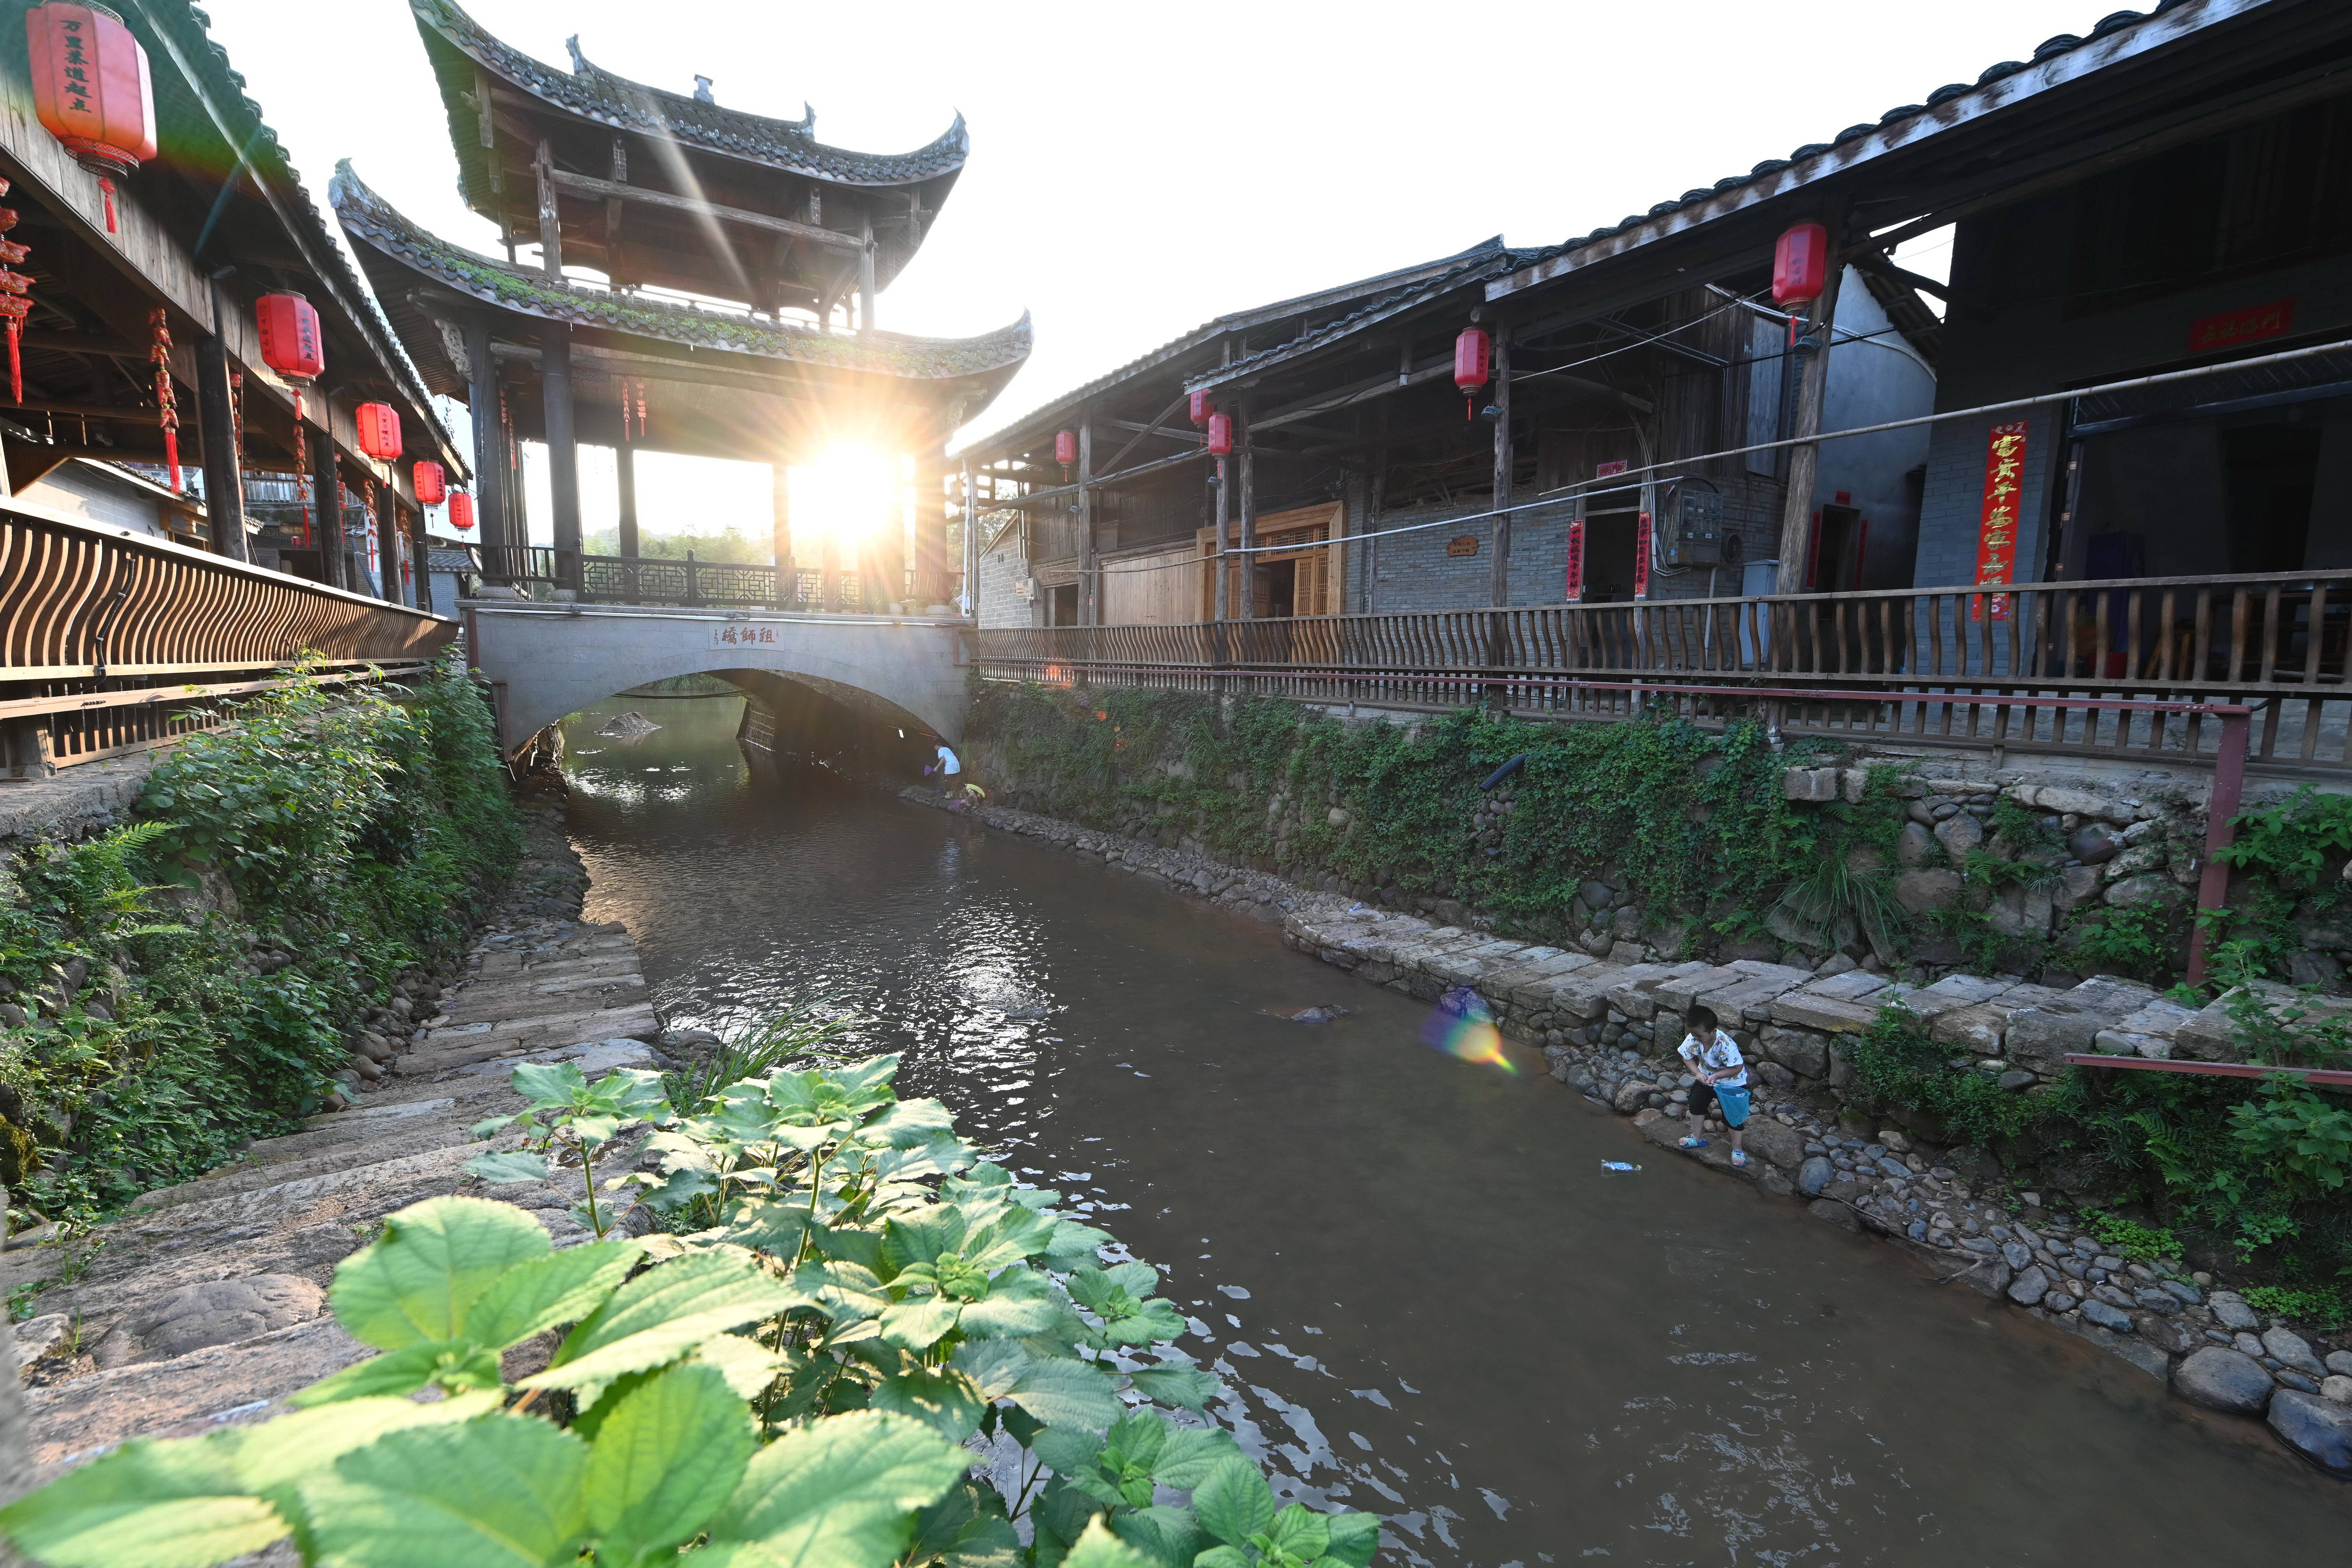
<point x="563" y="455"/>
<point x="217" y="418"/>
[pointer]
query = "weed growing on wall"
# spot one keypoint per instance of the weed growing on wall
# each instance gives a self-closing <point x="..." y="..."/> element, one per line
<point x="353" y="832"/>
<point x="2287" y="850"/>
<point x="1694" y="822"/>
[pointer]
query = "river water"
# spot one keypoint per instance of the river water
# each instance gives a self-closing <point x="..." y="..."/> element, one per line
<point x="1428" y="1296"/>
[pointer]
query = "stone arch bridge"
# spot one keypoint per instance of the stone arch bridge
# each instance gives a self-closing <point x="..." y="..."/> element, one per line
<point x="545" y="660"/>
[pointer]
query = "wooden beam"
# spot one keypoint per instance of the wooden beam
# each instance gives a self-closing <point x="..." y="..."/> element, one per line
<point x="89" y="343"/>
<point x="551" y="220"/>
<point x="614" y="190"/>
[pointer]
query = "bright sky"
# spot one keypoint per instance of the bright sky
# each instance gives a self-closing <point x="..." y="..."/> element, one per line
<point x="1134" y="172"/>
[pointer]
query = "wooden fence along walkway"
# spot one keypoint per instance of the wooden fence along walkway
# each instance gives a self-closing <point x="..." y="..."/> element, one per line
<point x="107" y="637"/>
<point x="659" y="580"/>
<point x="2274" y="643"/>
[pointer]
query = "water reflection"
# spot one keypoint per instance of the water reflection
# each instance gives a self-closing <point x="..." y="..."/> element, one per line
<point x="1426" y="1292"/>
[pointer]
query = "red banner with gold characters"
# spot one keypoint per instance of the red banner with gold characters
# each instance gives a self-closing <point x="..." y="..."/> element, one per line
<point x="1997" y="531"/>
<point x="1642" y="556"/>
<point x="1576" y="560"/>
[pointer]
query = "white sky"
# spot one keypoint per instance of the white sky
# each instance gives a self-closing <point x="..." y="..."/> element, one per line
<point x="1134" y="172"/>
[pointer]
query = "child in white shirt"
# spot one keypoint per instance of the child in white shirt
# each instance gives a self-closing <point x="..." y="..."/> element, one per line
<point x="1714" y="1058"/>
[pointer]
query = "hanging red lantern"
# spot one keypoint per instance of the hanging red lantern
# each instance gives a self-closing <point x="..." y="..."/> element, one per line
<point x="432" y="483"/>
<point x="290" y="341"/>
<point x="92" y="90"/>
<point x="1801" y="265"/>
<point x="1221" y="434"/>
<point x="1202" y="408"/>
<point x="379" y="425"/>
<point x="1474" y="358"/>
<point x="1065" y="447"/>
<point x="461" y="511"/>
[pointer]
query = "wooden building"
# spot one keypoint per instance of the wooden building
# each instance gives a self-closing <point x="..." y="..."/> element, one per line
<point x="216" y="218"/>
<point x="706" y="281"/>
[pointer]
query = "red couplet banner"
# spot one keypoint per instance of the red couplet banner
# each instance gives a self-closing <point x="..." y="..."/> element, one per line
<point x="1642" y="556"/>
<point x="1997" y="529"/>
<point x="1576" y="560"/>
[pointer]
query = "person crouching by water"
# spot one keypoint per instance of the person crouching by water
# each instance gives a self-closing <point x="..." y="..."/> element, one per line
<point x="949" y="768"/>
<point x="1714" y="1059"/>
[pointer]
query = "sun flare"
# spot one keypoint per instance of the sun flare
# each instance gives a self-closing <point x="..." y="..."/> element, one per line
<point x="847" y="494"/>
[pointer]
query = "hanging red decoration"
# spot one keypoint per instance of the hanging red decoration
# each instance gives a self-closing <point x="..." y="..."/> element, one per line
<point x="16" y="304"/>
<point x="1474" y="359"/>
<point x="461" y="511"/>
<point x="1220" y="434"/>
<point x="432" y="483"/>
<point x="92" y="90"/>
<point x="1200" y="408"/>
<point x="1065" y="447"/>
<point x="1801" y="265"/>
<point x="292" y="345"/>
<point x="379" y="425"/>
<point x="158" y="351"/>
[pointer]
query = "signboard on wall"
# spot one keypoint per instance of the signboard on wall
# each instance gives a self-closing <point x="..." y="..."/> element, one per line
<point x="1576" y="560"/>
<point x="2004" y="489"/>
<point x="1610" y="470"/>
<point x="1463" y="544"/>
<point x="1642" y="556"/>
<point x="2230" y="328"/>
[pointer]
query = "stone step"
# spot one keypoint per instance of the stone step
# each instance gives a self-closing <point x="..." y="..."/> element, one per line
<point x="421" y="1136"/>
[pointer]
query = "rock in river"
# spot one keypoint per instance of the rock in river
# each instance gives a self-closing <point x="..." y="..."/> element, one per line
<point x="2294" y="1351"/>
<point x="2223" y="1380"/>
<point x="2029" y="1287"/>
<point x="2319" y="1429"/>
<point x="1814" y="1176"/>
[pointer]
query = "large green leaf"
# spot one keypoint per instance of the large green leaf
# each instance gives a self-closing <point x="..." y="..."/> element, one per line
<point x="453" y="1365"/>
<point x="748" y="1367"/>
<point x="504" y="1491"/>
<point x="666" y="1456"/>
<point x="845" y="1293"/>
<point x="1072" y="1244"/>
<point x="1187" y="1387"/>
<point x="842" y="1493"/>
<point x="1299" y="1532"/>
<point x="415" y="1284"/>
<point x="1018" y="1304"/>
<point x="965" y="1528"/>
<point x="1098" y="1548"/>
<point x="663" y="1313"/>
<point x="1233" y="1502"/>
<point x="507" y="1166"/>
<point x="146" y="1505"/>
<point x="1058" y="1392"/>
<point x="550" y="1083"/>
<point x="909" y="1124"/>
<point x="273" y="1458"/>
<point x="942" y="1398"/>
<point x="1355" y="1538"/>
<point x="1189" y="1453"/>
<point x="1168" y="1536"/>
<point x="922" y="1237"/>
<point x="563" y="1287"/>
<point x="919" y="1324"/>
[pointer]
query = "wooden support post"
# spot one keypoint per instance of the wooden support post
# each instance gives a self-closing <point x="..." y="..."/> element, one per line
<point x="551" y="224"/>
<point x="866" y="285"/>
<point x="1089" y="590"/>
<point x="327" y="509"/>
<point x="780" y="531"/>
<point x="930" y="532"/>
<point x="885" y="583"/>
<point x="1248" y="608"/>
<point x="387" y="546"/>
<point x="625" y="477"/>
<point x="1804" y="462"/>
<point x="217" y="418"/>
<point x="562" y="454"/>
<point x="612" y="269"/>
<point x="421" y="545"/>
<point x="1499" y="585"/>
<point x="490" y="450"/>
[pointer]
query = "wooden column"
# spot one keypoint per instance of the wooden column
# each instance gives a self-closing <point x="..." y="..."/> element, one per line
<point x="625" y="473"/>
<point x="217" y="418"/>
<point x="563" y="453"/>
<point x="968" y="593"/>
<point x="387" y="546"/>
<point x="930" y="532"/>
<point x="421" y="548"/>
<point x="1813" y="392"/>
<point x="1498" y="587"/>
<point x="1248" y="609"/>
<point x="884" y="583"/>
<point x="1222" y="587"/>
<point x="490" y="449"/>
<point x="866" y="286"/>
<point x="1089" y="590"/>
<point x="551" y="226"/>
<point x="780" y="530"/>
<point x="327" y="509"/>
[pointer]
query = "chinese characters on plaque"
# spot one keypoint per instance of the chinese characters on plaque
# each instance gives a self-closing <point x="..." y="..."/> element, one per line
<point x="1642" y="556"/>
<point x="732" y="636"/>
<point x="1997" y="537"/>
<point x="1576" y="560"/>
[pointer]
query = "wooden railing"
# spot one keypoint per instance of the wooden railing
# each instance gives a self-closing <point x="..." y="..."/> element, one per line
<point x="2277" y="643"/>
<point x="660" y="579"/>
<point x="107" y="637"/>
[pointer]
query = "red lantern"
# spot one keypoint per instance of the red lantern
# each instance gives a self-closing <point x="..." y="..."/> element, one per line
<point x="432" y="484"/>
<point x="1065" y="447"/>
<point x="1202" y="409"/>
<point x="1474" y="358"/>
<point x="290" y="341"/>
<point x="91" y="89"/>
<point x="461" y="511"/>
<point x="1801" y="265"/>
<point x="1221" y="434"/>
<point x="379" y="425"/>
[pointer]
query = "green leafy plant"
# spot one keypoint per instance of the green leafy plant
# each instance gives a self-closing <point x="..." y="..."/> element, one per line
<point x="794" y="1383"/>
<point x="753" y="1050"/>
<point x="2129" y="1240"/>
<point x="1895" y="1064"/>
<point x="2329" y="1310"/>
<point x="569" y="1117"/>
<point x="2140" y="943"/>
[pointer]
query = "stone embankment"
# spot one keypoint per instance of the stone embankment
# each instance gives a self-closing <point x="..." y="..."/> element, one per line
<point x="1608" y="1028"/>
<point x="205" y="1303"/>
